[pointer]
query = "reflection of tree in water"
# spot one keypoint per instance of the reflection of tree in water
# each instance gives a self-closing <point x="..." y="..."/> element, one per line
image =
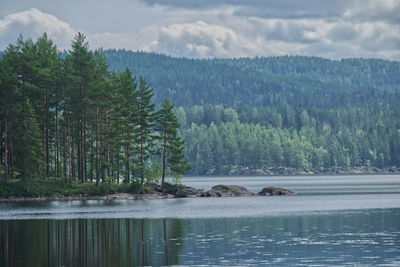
<point x="92" y="242"/>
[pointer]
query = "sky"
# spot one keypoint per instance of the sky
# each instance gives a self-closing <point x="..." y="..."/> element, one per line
<point x="213" y="28"/>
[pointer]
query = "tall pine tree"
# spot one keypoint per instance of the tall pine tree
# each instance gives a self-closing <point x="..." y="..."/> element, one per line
<point x="145" y="120"/>
<point x="171" y="145"/>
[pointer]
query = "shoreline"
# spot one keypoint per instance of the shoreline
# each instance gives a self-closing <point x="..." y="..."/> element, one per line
<point x="237" y="171"/>
<point x="172" y="191"/>
<point x="113" y="196"/>
<point x="159" y="195"/>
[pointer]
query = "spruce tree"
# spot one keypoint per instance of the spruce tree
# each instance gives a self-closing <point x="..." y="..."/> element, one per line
<point x="171" y="148"/>
<point x="145" y="123"/>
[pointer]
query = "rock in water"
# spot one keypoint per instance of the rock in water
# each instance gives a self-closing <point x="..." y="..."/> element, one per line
<point x="188" y="192"/>
<point x="227" y="191"/>
<point x="275" y="191"/>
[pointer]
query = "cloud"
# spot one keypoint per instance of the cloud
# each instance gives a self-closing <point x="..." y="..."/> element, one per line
<point x="220" y="31"/>
<point x="33" y="23"/>
<point x="199" y="39"/>
<point x="264" y="8"/>
<point x="374" y="10"/>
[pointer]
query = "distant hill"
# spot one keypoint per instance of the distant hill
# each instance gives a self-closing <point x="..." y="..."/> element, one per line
<point x="264" y="81"/>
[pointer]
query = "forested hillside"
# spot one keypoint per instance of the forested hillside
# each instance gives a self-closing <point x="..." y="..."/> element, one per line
<point x="273" y="82"/>
<point x="305" y="113"/>
<point x="69" y="115"/>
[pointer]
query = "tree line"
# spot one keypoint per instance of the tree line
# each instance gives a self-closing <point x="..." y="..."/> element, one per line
<point x="67" y="115"/>
<point x="220" y="139"/>
<point x="269" y="112"/>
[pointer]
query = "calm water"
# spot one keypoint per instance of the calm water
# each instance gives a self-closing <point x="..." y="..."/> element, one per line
<point x="333" y="221"/>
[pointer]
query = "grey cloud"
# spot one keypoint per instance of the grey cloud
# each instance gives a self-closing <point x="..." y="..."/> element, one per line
<point x="374" y="10"/>
<point x="265" y="8"/>
<point x="353" y="10"/>
<point x="284" y="30"/>
<point x="235" y="29"/>
<point x="343" y="32"/>
<point x="239" y="36"/>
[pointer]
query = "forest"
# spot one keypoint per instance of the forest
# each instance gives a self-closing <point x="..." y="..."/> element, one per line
<point x="67" y="116"/>
<point x="104" y="116"/>
<point x="305" y="113"/>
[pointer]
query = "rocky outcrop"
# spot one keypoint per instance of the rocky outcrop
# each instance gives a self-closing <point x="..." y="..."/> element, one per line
<point x="153" y="191"/>
<point x="275" y="191"/>
<point x="179" y="191"/>
<point x="227" y="191"/>
<point x="188" y="192"/>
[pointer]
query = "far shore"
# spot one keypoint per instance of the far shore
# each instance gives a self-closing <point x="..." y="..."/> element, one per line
<point x="284" y="171"/>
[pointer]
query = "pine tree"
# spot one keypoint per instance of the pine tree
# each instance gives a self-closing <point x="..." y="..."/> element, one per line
<point x="145" y="120"/>
<point x="171" y="149"/>
<point x="29" y="152"/>
<point x="79" y="68"/>
<point x="48" y="82"/>
<point x="9" y="112"/>
<point x="100" y="96"/>
<point x="126" y="115"/>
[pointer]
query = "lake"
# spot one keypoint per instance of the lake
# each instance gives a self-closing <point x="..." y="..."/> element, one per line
<point x="332" y="221"/>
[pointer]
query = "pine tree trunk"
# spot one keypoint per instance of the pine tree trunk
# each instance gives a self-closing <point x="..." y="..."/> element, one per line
<point x="107" y="145"/>
<point x="81" y="125"/>
<point x="127" y="166"/>
<point x="70" y="151"/>
<point x="64" y="149"/>
<point x="91" y="162"/>
<point x="47" y="134"/>
<point x="79" y="158"/>
<point x="57" y="149"/>
<point x="11" y="157"/>
<point x="84" y="157"/>
<point x="164" y="155"/>
<point x="2" y="144"/>
<point x="6" y="154"/>
<point x="97" y="147"/>
<point x="141" y="156"/>
<point x="43" y="168"/>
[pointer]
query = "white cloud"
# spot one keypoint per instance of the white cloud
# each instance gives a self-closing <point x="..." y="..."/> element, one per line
<point x="199" y="39"/>
<point x="33" y="23"/>
<point x="360" y="31"/>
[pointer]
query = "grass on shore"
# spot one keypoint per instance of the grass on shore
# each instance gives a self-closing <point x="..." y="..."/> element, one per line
<point x="58" y="187"/>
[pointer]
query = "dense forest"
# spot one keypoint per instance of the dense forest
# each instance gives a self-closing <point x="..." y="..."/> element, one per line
<point x="94" y="116"/>
<point x="68" y="116"/>
<point x="305" y="113"/>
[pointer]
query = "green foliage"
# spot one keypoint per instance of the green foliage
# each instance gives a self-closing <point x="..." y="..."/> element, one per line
<point x="154" y="172"/>
<point x="145" y="123"/>
<point x="170" y="144"/>
<point x="57" y="187"/>
<point x="28" y="151"/>
<point x="69" y="117"/>
<point x="263" y="81"/>
<point x="327" y="139"/>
